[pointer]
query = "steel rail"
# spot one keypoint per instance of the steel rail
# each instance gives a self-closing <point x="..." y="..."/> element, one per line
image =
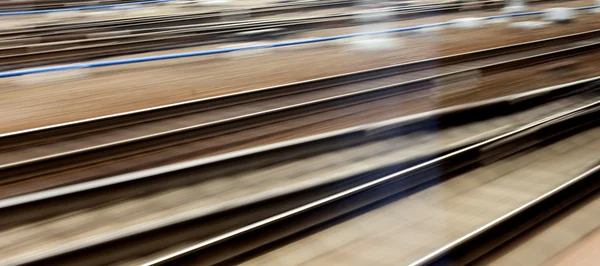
<point x="215" y="18"/>
<point x="70" y="51"/>
<point x="87" y="48"/>
<point x="20" y="170"/>
<point x="289" y="150"/>
<point x="9" y="140"/>
<point x="49" y="202"/>
<point x="145" y="26"/>
<point x="492" y="235"/>
<point x="35" y="7"/>
<point x="236" y="49"/>
<point x="226" y="246"/>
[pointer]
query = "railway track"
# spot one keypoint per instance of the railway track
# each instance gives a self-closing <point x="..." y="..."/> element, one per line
<point x="36" y="47"/>
<point x="566" y="233"/>
<point x="215" y="125"/>
<point x="178" y="226"/>
<point x="18" y="57"/>
<point x="26" y="48"/>
<point x="201" y="208"/>
<point x="56" y="4"/>
<point x="454" y="221"/>
<point x="48" y="46"/>
<point x="196" y="20"/>
<point x="211" y="16"/>
<point x="189" y="19"/>
<point x="29" y="48"/>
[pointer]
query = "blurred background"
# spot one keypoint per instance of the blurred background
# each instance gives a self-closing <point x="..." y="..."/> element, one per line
<point x="299" y="132"/>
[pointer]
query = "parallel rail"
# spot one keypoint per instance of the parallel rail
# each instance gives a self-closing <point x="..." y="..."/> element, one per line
<point x="197" y="18"/>
<point x="285" y="221"/>
<point x="223" y="248"/>
<point x="61" y="161"/>
<point x="54" y="4"/>
<point x="56" y="47"/>
<point x="510" y="226"/>
<point x="72" y="44"/>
